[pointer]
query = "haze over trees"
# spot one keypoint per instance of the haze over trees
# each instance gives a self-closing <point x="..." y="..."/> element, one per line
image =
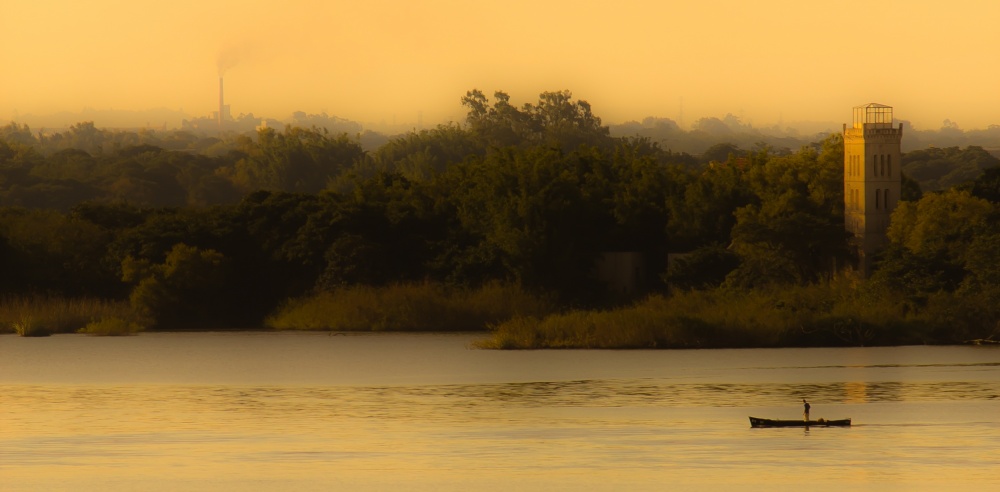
<point x="196" y="231"/>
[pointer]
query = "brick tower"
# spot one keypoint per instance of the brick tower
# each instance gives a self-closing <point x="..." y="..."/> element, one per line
<point x="872" y="183"/>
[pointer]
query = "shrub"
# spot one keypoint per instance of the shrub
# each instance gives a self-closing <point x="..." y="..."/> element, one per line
<point x="408" y="307"/>
<point x="186" y="290"/>
<point x="111" y="326"/>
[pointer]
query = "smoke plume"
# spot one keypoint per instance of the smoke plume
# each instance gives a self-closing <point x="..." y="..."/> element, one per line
<point x="227" y="59"/>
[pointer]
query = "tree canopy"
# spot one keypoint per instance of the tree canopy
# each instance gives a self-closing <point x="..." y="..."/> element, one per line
<point x="227" y="229"/>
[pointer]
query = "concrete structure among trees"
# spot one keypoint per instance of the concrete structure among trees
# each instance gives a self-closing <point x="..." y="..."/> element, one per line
<point x="872" y="178"/>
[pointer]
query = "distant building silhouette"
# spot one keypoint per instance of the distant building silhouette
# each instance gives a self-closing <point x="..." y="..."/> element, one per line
<point x="872" y="183"/>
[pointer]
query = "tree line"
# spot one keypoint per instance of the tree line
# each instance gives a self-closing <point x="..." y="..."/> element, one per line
<point x="529" y="196"/>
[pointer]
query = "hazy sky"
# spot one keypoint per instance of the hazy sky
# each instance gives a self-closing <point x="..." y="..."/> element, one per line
<point x="385" y="60"/>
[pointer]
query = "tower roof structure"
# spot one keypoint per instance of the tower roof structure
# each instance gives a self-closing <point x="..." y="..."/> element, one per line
<point x="876" y="114"/>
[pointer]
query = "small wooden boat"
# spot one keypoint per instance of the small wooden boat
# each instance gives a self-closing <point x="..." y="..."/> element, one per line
<point x="756" y="422"/>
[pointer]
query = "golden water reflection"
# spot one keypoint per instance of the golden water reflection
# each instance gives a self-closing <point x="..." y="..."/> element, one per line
<point x="855" y="392"/>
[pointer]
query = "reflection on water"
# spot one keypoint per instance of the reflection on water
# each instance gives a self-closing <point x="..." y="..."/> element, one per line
<point x="646" y="393"/>
<point x="466" y="401"/>
<point x="630" y="420"/>
<point x="856" y="392"/>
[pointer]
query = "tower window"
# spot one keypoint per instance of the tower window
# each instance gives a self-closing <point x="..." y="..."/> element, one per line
<point x="888" y="163"/>
<point x="878" y="196"/>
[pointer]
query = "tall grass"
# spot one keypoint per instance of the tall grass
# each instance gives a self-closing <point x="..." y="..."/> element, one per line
<point x="408" y="307"/>
<point x="26" y="327"/>
<point x="836" y="313"/>
<point x="688" y="320"/>
<point x="111" y="326"/>
<point x="41" y="316"/>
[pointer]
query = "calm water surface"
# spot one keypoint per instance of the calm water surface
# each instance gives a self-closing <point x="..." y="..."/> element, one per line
<point x="308" y="411"/>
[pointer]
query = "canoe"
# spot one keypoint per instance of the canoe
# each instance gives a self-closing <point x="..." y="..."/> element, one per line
<point x="756" y="422"/>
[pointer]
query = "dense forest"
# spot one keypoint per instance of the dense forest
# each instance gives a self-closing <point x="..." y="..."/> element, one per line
<point x="495" y="223"/>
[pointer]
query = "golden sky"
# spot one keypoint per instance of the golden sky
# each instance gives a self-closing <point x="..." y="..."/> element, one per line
<point x="391" y="60"/>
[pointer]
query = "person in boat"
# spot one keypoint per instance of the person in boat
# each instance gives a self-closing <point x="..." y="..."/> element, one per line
<point x="805" y="410"/>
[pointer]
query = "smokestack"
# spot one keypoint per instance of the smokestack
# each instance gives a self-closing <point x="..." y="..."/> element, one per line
<point x="221" y="105"/>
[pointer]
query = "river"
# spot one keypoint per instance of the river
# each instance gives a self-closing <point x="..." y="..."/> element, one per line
<point x="262" y="411"/>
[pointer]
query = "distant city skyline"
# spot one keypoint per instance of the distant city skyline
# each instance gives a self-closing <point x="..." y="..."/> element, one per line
<point x="157" y="118"/>
<point x="380" y="62"/>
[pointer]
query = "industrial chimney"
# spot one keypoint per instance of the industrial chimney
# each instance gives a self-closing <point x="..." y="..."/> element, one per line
<point x="222" y="106"/>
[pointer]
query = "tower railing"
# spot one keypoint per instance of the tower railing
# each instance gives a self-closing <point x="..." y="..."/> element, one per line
<point x="873" y="116"/>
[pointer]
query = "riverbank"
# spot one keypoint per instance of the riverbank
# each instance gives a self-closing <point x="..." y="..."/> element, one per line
<point x="837" y="313"/>
<point x="410" y="307"/>
<point x="40" y="316"/>
<point x="423" y="307"/>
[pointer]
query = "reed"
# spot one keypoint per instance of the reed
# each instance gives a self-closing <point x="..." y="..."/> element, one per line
<point x="408" y="307"/>
<point x="835" y="313"/>
<point x="44" y="315"/>
<point x="26" y="327"/>
<point x="111" y="326"/>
